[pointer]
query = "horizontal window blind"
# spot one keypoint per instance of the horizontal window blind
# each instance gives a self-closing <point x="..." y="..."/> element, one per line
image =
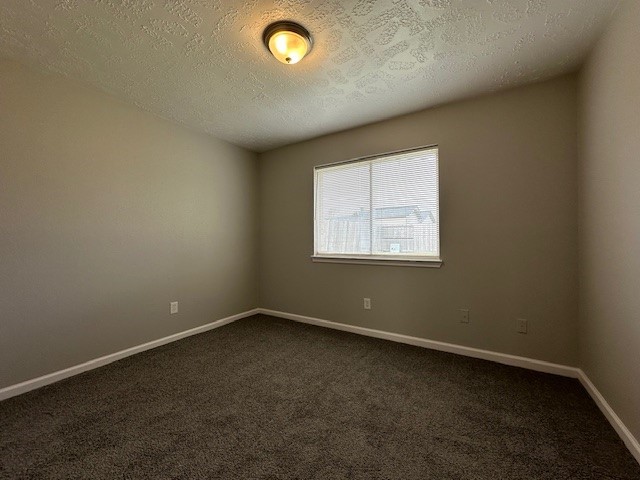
<point x="382" y="207"/>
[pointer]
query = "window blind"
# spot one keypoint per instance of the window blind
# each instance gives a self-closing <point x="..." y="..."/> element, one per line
<point x="382" y="207"/>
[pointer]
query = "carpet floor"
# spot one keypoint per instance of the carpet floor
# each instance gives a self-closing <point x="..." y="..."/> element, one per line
<point x="270" y="398"/>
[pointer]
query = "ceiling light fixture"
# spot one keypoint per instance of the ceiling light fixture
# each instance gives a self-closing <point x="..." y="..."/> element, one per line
<point x="287" y="41"/>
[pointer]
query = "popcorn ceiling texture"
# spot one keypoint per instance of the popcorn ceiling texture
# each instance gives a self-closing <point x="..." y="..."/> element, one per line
<point x="202" y="62"/>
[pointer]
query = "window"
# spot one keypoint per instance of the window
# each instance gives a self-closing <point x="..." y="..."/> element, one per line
<point x="381" y="209"/>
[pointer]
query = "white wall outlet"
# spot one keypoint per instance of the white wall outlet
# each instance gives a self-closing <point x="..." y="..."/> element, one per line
<point x="367" y="304"/>
<point x="173" y="307"/>
<point x="522" y="325"/>
<point x="464" y="315"/>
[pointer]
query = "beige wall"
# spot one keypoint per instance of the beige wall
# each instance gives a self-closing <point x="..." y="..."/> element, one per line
<point x="610" y="216"/>
<point x="108" y="213"/>
<point x="508" y="221"/>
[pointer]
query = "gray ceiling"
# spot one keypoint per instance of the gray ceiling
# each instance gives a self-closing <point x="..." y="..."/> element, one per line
<point x="202" y="62"/>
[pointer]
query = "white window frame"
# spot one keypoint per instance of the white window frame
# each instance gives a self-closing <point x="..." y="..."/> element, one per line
<point x="371" y="259"/>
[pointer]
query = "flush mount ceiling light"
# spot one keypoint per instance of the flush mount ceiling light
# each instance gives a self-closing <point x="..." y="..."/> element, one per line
<point x="287" y="41"/>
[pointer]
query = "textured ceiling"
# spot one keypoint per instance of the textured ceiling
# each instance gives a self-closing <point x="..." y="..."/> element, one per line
<point x="202" y="62"/>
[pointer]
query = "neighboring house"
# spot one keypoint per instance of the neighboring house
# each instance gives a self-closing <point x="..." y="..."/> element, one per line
<point x="404" y="229"/>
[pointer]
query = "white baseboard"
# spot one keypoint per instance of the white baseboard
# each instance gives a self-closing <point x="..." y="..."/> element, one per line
<point x="504" y="358"/>
<point x="23" y="387"/>
<point x="532" y="364"/>
<point x="627" y="437"/>
<point x="513" y="360"/>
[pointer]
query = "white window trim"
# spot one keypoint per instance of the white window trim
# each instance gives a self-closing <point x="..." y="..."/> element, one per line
<point x="388" y="260"/>
<point x="379" y="260"/>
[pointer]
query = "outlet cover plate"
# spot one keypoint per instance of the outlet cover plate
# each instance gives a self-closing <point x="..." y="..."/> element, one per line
<point x="522" y="325"/>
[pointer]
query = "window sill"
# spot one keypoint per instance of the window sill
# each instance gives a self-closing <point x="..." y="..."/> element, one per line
<point x="387" y="261"/>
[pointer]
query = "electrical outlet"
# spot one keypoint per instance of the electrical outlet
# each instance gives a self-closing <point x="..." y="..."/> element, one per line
<point x="367" y="304"/>
<point x="464" y="315"/>
<point x="173" y="307"/>
<point x="522" y="325"/>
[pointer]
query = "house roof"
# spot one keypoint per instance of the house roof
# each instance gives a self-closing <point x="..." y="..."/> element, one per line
<point x="390" y="212"/>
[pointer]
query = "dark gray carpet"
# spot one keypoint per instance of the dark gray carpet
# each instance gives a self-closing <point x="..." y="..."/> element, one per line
<point x="269" y="398"/>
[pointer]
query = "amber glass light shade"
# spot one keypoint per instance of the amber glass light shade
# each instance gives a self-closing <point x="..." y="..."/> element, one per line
<point x="288" y="42"/>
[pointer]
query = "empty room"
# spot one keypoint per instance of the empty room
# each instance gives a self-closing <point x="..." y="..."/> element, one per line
<point x="320" y="239"/>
